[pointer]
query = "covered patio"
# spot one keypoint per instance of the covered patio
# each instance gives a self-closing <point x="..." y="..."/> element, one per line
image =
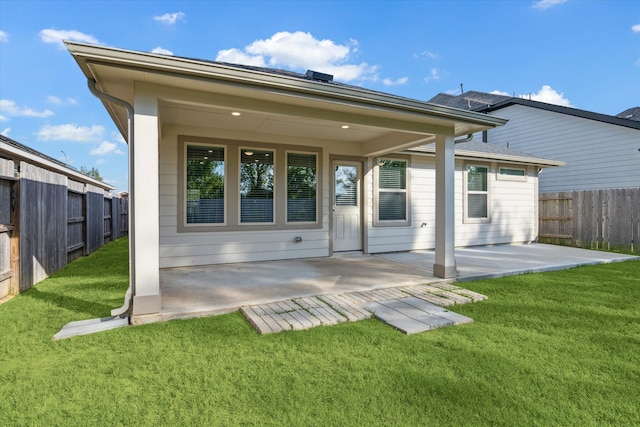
<point x="208" y="290"/>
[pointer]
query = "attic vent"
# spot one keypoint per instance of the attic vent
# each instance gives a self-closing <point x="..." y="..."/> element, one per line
<point x="321" y="77"/>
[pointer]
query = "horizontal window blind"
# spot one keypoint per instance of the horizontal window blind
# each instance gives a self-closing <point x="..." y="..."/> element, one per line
<point x="477" y="206"/>
<point x="301" y="187"/>
<point x="346" y="186"/>
<point x="256" y="186"/>
<point x="205" y="185"/>
<point x="392" y="190"/>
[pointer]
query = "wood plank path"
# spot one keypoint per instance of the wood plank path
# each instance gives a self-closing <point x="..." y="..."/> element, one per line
<point x="410" y="309"/>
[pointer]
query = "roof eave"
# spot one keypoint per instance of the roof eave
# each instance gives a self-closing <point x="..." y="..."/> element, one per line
<point x="85" y="53"/>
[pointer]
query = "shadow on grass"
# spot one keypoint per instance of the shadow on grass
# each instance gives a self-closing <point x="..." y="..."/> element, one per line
<point x="90" y="308"/>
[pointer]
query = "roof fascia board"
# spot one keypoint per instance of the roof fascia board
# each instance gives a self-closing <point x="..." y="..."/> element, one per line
<point x="182" y="66"/>
<point x="590" y="115"/>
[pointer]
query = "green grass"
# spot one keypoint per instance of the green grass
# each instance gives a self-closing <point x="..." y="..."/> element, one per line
<point x="560" y="348"/>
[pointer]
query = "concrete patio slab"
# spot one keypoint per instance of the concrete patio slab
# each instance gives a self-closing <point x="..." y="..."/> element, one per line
<point x="208" y="290"/>
<point x="485" y="262"/>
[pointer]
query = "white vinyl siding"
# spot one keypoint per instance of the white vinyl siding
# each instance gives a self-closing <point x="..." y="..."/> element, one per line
<point x="240" y="242"/>
<point x="598" y="155"/>
<point x="513" y="210"/>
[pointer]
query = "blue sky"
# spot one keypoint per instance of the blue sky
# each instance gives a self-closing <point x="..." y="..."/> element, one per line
<point x="584" y="54"/>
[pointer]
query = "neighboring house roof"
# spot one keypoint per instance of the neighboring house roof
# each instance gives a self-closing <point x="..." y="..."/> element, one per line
<point x="470" y="100"/>
<point x="590" y="115"/>
<point x="630" y="114"/>
<point x="17" y="152"/>
<point x="483" y="150"/>
<point x="485" y="102"/>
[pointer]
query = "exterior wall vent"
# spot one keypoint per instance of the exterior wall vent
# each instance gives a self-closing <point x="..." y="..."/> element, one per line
<point x="321" y="77"/>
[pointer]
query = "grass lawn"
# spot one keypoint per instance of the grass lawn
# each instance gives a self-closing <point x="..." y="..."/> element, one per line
<point x="560" y="348"/>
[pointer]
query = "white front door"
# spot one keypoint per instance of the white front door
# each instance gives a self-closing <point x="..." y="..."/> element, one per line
<point x="347" y="226"/>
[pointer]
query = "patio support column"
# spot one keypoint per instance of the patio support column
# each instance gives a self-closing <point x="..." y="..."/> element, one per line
<point x="445" y="260"/>
<point x="146" y="298"/>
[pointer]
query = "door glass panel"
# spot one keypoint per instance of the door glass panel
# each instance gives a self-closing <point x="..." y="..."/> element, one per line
<point x="346" y="186"/>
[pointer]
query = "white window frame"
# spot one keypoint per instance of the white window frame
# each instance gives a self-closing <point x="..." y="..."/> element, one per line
<point x="225" y="188"/>
<point x="504" y="177"/>
<point x="377" y="222"/>
<point x="286" y="190"/>
<point x="467" y="192"/>
<point x="275" y="185"/>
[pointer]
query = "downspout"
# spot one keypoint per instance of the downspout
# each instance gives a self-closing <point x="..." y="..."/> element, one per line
<point x="465" y="139"/>
<point x="128" y="298"/>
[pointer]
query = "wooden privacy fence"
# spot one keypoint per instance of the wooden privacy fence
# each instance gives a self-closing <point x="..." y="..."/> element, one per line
<point x="597" y="219"/>
<point x="47" y="220"/>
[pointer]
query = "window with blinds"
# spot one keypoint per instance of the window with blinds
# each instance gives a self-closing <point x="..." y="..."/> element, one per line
<point x="301" y="187"/>
<point x="477" y="192"/>
<point x="392" y="190"/>
<point x="205" y="185"/>
<point x="256" y="186"/>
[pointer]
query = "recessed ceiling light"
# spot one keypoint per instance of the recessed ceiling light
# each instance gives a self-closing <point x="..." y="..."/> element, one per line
<point x="345" y="126"/>
<point x="235" y="113"/>
<point x="249" y="153"/>
<point x="206" y="157"/>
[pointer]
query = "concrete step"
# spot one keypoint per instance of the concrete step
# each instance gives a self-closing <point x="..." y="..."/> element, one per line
<point x="414" y="315"/>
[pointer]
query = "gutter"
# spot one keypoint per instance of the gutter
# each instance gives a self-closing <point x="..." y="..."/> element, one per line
<point x="128" y="299"/>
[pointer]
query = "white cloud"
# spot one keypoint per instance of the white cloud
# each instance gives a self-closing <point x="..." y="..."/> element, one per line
<point x="499" y="92"/>
<point x="428" y="54"/>
<point x="3" y="118"/>
<point x="4" y="37"/>
<point x="59" y="101"/>
<point x="57" y="36"/>
<point x="236" y="56"/>
<point x="71" y="132"/>
<point x="169" y="18"/>
<point x="106" y="148"/>
<point x="302" y="51"/>
<point x="546" y="4"/>
<point x="117" y="136"/>
<point x="549" y="95"/>
<point x="6" y="131"/>
<point x="434" y="76"/>
<point x="400" y="81"/>
<point x="9" y="108"/>
<point x="636" y="28"/>
<point x="162" y="51"/>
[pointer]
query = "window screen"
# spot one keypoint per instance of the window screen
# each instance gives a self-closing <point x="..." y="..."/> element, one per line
<point x="301" y="187"/>
<point x="205" y="185"/>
